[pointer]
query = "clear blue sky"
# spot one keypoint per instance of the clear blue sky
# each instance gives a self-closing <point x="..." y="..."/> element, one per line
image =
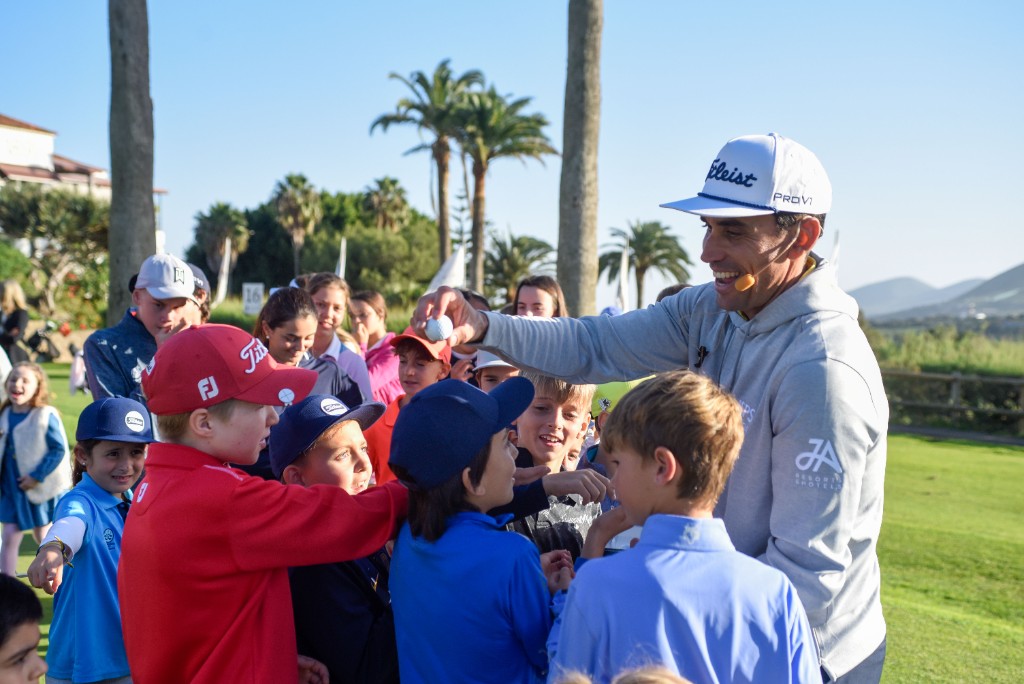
<point x="914" y="108"/>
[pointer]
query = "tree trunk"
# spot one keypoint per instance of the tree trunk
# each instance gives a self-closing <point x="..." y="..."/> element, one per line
<point x="641" y="273"/>
<point x="442" y="155"/>
<point x="476" y="262"/>
<point x="577" y="205"/>
<point x="297" y="253"/>
<point x="132" y="219"/>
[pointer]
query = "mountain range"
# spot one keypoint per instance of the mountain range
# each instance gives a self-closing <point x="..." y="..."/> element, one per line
<point x="911" y="299"/>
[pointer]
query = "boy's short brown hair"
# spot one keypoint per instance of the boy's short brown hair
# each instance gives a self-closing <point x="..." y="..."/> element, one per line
<point x="561" y="391"/>
<point x="172" y="428"/>
<point x="691" y="416"/>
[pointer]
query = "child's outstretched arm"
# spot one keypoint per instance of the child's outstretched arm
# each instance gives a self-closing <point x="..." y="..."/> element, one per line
<point x="58" y="547"/>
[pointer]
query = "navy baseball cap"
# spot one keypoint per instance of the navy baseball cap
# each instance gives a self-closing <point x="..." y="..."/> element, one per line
<point x="117" y="419"/>
<point x="443" y="427"/>
<point x="302" y="424"/>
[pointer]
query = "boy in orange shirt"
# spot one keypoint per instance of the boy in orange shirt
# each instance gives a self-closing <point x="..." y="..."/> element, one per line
<point x="421" y="363"/>
<point x="203" y="576"/>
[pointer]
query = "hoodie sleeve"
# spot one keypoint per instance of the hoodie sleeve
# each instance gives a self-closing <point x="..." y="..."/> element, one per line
<point x="594" y="349"/>
<point x="826" y="426"/>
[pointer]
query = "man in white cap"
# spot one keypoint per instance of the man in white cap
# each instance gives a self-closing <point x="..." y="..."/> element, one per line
<point x="163" y="303"/>
<point x="775" y="330"/>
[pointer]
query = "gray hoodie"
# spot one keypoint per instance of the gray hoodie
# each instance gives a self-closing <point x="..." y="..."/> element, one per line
<point x="806" y="493"/>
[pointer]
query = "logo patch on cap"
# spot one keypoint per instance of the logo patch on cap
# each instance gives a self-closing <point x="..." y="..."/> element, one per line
<point x="332" y="407"/>
<point x="253" y="352"/>
<point x="208" y="387"/>
<point x="179" y="275"/>
<point x="134" y="421"/>
<point x="286" y="396"/>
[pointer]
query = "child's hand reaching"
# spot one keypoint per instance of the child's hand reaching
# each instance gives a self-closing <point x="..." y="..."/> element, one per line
<point x="47" y="570"/>
<point x="312" y="671"/>
<point x="604" y="527"/>
<point x="557" y="567"/>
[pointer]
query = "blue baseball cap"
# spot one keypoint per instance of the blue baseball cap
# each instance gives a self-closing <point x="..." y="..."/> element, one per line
<point x="117" y="419"/>
<point x="303" y="423"/>
<point x="443" y="427"/>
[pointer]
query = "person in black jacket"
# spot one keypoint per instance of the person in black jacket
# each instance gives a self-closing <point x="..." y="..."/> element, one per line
<point x="14" y="319"/>
<point x="343" y="612"/>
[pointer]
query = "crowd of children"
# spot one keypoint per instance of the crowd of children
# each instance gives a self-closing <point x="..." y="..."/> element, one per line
<point x="431" y="537"/>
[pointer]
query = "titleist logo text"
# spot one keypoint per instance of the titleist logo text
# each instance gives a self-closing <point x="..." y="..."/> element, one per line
<point x="253" y="353"/>
<point x="720" y="171"/>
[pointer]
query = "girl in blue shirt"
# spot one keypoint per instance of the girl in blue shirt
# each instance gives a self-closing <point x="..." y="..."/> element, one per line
<point x="86" y="644"/>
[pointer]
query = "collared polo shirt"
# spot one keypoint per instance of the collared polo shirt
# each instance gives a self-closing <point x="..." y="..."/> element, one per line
<point x="85" y="635"/>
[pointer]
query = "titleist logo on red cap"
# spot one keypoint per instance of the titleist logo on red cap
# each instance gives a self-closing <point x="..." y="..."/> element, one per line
<point x="253" y="353"/>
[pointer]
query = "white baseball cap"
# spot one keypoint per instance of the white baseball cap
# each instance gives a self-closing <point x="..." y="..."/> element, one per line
<point x="755" y="175"/>
<point x="166" y="276"/>
<point x="485" y="359"/>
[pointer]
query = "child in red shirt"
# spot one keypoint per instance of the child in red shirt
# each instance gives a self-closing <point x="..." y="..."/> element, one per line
<point x="203" y="575"/>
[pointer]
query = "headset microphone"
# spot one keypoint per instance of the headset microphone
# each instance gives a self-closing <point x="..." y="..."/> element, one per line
<point x="745" y="282"/>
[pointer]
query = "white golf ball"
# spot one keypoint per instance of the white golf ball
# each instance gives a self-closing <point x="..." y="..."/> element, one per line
<point x="439" y="329"/>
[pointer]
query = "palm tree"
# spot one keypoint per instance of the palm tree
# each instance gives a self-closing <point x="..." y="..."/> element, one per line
<point x="298" y="208"/>
<point x="650" y="247"/>
<point x="494" y="127"/>
<point x="386" y="201"/>
<point x="219" y="222"/>
<point x="132" y="235"/>
<point x="433" y="107"/>
<point x="510" y="260"/>
<point x="577" y="200"/>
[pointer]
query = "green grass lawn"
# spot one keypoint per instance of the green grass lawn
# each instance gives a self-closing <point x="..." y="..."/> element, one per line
<point x="951" y="551"/>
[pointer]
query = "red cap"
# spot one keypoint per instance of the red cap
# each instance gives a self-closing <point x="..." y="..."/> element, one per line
<point x="440" y="351"/>
<point x="208" y="364"/>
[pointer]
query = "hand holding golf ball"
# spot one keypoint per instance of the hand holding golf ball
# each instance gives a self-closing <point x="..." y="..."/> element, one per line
<point x="438" y="329"/>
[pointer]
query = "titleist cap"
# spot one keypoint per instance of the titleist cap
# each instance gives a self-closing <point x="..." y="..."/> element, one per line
<point x="755" y="175"/>
<point x="205" y="365"/>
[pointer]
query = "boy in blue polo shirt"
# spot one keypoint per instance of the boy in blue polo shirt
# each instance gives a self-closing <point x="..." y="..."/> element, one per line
<point x="85" y="637"/>
<point x="696" y="605"/>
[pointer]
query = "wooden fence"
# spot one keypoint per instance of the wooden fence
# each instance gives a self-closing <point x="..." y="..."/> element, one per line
<point x="956" y="401"/>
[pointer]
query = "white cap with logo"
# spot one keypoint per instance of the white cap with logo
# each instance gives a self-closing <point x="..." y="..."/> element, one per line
<point x="165" y="276"/>
<point x="756" y="175"/>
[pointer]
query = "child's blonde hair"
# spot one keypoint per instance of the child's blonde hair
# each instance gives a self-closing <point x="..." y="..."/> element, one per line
<point x="691" y="416"/>
<point x="172" y="428"/>
<point x="561" y="391"/>
<point x="42" y="395"/>
<point x="12" y="297"/>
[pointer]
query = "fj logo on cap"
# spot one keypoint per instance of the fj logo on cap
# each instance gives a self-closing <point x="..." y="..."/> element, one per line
<point x="253" y="353"/>
<point x="208" y="388"/>
<point x="134" y="421"/>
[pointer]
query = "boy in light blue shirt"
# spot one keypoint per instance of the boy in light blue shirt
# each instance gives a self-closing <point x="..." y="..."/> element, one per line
<point x="86" y="643"/>
<point x="683" y="597"/>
